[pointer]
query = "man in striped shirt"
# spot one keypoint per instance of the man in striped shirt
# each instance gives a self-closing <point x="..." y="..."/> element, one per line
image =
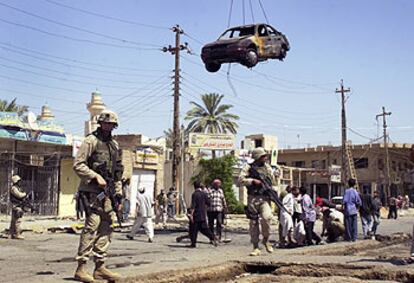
<point x="217" y="208"/>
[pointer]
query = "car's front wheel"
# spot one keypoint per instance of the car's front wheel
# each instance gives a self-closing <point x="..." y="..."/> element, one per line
<point x="213" y="67"/>
<point x="251" y="58"/>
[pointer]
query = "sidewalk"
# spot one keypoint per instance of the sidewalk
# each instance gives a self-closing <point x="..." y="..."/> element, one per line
<point x="42" y="224"/>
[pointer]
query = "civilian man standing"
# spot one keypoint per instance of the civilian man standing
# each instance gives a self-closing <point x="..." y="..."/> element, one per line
<point x="351" y="203"/>
<point x="309" y="216"/>
<point x="217" y="207"/>
<point x="199" y="204"/>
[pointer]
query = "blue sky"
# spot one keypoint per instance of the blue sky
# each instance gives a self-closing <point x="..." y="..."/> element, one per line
<point x="367" y="43"/>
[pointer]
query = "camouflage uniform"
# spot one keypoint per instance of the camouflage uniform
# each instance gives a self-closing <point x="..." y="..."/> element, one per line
<point x="16" y="194"/>
<point x="162" y="201"/>
<point x="96" y="150"/>
<point x="96" y="234"/>
<point x="260" y="204"/>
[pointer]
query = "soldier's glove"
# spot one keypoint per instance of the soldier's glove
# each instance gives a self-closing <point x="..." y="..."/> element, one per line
<point x="101" y="181"/>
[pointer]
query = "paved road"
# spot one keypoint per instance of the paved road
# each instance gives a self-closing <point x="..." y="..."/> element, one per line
<point x="49" y="257"/>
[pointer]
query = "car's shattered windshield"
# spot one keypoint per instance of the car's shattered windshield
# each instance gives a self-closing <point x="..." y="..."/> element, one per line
<point x="237" y="32"/>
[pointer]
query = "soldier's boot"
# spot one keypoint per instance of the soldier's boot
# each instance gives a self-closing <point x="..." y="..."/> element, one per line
<point x="17" y="237"/>
<point x="81" y="274"/>
<point x="101" y="272"/>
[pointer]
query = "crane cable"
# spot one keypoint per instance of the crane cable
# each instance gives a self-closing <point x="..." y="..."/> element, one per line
<point x="230" y="11"/>
<point x="264" y="13"/>
<point x="251" y="10"/>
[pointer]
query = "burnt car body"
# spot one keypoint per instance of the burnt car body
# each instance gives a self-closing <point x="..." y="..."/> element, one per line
<point x="247" y="45"/>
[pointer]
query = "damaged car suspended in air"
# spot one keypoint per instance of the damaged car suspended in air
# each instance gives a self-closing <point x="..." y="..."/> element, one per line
<point x="247" y="45"/>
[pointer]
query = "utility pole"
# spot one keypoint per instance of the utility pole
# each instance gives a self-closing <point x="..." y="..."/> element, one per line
<point x="387" y="159"/>
<point x="176" y="123"/>
<point x="342" y="91"/>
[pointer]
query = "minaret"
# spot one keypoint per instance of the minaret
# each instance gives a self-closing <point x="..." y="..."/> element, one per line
<point x="46" y="114"/>
<point x="95" y="107"/>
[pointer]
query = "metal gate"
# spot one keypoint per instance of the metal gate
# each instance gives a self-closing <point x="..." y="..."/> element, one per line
<point x="40" y="179"/>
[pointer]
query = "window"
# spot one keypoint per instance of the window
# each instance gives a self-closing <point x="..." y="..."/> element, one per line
<point x="335" y="162"/>
<point x="262" y="30"/>
<point x="394" y="166"/>
<point x="282" y="163"/>
<point x="258" y="143"/>
<point x="361" y="163"/>
<point x="271" y="31"/>
<point x="298" y="164"/>
<point x="319" y="164"/>
<point x="381" y="164"/>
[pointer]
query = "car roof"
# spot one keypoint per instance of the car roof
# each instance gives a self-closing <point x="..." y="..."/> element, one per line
<point x="247" y="26"/>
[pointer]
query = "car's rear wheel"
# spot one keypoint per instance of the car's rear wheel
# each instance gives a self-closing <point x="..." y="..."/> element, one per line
<point x="251" y="58"/>
<point x="213" y="67"/>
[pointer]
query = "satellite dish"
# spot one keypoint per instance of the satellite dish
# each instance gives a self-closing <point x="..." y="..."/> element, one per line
<point x="32" y="121"/>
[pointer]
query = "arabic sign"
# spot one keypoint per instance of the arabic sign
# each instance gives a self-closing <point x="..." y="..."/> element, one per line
<point x="146" y="155"/>
<point x="21" y="128"/>
<point x="335" y="172"/>
<point x="212" y="141"/>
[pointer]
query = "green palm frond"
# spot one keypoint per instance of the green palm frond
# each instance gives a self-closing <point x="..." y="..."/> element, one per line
<point x="211" y="117"/>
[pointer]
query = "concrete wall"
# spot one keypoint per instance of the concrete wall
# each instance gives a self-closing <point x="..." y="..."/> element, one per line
<point x="69" y="183"/>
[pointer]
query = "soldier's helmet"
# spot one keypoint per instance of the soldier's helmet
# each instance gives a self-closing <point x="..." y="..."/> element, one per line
<point x="258" y="152"/>
<point x="15" y="179"/>
<point x="108" y="116"/>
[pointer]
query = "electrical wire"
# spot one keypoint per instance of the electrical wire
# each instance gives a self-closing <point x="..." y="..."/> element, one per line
<point x="122" y="40"/>
<point x="324" y="114"/>
<point x="88" y="63"/>
<point x="140" y="89"/>
<point x="89" y="41"/>
<point x="72" y="91"/>
<point x="13" y="91"/>
<point x="64" y="79"/>
<point x="67" y="73"/>
<point x="74" y="66"/>
<point x="106" y="16"/>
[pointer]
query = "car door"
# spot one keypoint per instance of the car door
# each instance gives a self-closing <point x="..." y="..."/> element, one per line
<point x="265" y="42"/>
<point x="276" y="42"/>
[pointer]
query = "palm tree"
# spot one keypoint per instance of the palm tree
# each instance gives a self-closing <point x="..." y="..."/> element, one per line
<point x="13" y="107"/>
<point x="211" y="117"/>
<point x="169" y="138"/>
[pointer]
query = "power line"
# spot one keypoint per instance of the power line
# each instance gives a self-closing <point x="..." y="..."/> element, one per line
<point x="78" y="61"/>
<point x="73" y="91"/>
<point x="279" y="91"/>
<point x="324" y="114"/>
<point x="67" y="73"/>
<point x="77" y="28"/>
<point x="72" y="66"/>
<point x="62" y="78"/>
<point x="12" y="91"/>
<point x="106" y="16"/>
<point x="140" y="89"/>
<point x="89" y="41"/>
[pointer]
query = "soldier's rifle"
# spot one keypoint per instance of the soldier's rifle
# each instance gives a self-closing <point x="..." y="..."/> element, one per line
<point x="109" y="191"/>
<point x="266" y="187"/>
<point x="24" y="203"/>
